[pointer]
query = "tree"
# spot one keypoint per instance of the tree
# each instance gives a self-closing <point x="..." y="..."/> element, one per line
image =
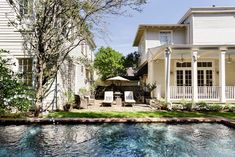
<point x="132" y="60"/>
<point x="51" y="29"/>
<point x="109" y="62"/>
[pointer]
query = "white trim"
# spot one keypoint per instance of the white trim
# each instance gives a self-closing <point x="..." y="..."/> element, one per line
<point x="172" y="37"/>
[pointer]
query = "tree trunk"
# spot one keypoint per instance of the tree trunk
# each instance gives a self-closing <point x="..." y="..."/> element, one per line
<point x="39" y="88"/>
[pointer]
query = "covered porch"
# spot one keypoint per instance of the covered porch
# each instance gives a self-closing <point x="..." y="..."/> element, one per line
<point x="193" y="73"/>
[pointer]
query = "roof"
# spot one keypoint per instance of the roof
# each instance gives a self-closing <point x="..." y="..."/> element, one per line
<point x="199" y="10"/>
<point x="91" y="42"/>
<point x="210" y="10"/>
<point x="143" y="27"/>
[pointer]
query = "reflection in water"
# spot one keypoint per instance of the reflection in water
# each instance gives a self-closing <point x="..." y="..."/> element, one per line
<point x="118" y="140"/>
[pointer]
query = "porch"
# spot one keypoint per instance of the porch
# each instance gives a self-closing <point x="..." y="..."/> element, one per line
<point x="193" y="73"/>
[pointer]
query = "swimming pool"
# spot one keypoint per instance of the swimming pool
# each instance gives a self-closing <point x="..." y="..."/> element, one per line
<point x="112" y="140"/>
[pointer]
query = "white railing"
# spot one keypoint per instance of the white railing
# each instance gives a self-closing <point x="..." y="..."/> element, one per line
<point x="181" y="92"/>
<point x="208" y="92"/>
<point x="230" y="92"/>
<point x="185" y="92"/>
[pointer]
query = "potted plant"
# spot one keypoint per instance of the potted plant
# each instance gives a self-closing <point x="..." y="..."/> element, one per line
<point x="70" y="101"/>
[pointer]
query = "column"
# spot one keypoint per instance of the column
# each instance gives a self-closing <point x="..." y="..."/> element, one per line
<point x="222" y="75"/>
<point x="194" y="76"/>
<point x="167" y="74"/>
<point x="151" y="75"/>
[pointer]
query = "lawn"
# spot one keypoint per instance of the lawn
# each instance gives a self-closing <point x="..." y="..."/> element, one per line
<point x="157" y="114"/>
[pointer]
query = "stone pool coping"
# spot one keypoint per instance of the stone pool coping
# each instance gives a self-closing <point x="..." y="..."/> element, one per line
<point x="26" y="121"/>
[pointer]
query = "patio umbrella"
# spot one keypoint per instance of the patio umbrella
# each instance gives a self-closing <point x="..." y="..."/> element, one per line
<point x="117" y="79"/>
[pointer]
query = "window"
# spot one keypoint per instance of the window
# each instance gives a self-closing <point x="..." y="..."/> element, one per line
<point x="204" y="64"/>
<point x="82" y="69"/>
<point x="165" y="37"/>
<point x="24" y="7"/>
<point x="204" y="74"/>
<point x="25" y="68"/>
<point x="183" y="65"/>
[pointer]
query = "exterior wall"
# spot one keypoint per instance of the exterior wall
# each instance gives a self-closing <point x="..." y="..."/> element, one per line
<point x="10" y="39"/>
<point x="214" y="29"/>
<point x="158" y="73"/>
<point x="230" y="74"/>
<point x="142" y="48"/>
<point x="69" y="75"/>
<point x="189" y="30"/>
<point x="151" y="39"/>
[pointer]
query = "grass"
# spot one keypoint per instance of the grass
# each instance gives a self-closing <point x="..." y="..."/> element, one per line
<point x="13" y="115"/>
<point x="158" y="114"/>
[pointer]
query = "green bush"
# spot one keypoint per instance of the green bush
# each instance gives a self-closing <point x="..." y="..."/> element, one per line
<point x="186" y="105"/>
<point x="13" y="94"/>
<point x="177" y="107"/>
<point x="163" y="104"/>
<point x="215" y="107"/>
<point x="201" y="106"/>
<point x="229" y="107"/>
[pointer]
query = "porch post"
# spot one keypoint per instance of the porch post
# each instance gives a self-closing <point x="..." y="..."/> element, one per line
<point x="222" y="74"/>
<point x="194" y="76"/>
<point x="167" y="74"/>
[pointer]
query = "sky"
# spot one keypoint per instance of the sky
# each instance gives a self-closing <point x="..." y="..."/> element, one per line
<point x="122" y="30"/>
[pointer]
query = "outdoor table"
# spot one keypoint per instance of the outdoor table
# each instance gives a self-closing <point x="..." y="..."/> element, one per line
<point x="118" y="98"/>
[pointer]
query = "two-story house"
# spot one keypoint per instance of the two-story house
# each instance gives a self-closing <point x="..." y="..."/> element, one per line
<point x="193" y="59"/>
<point x="73" y="74"/>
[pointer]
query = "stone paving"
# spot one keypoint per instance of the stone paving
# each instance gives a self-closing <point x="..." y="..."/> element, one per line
<point x="96" y="107"/>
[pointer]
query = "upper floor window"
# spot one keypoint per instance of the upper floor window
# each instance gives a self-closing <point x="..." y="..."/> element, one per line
<point x="165" y="37"/>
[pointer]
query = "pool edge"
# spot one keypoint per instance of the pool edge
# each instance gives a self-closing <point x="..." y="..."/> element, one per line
<point x="228" y="122"/>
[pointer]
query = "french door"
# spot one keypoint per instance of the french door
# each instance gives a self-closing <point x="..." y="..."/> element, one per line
<point x="205" y="77"/>
<point x="184" y="77"/>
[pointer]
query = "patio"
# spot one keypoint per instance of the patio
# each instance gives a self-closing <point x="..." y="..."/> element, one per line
<point x="96" y="107"/>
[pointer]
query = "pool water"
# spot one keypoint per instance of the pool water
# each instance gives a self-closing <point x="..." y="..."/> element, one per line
<point x="111" y="140"/>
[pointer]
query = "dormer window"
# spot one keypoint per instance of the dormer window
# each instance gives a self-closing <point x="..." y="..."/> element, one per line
<point x="165" y="37"/>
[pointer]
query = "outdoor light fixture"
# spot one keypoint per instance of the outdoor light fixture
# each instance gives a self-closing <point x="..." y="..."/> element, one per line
<point x="229" y="59"/>
<point x="181" y="59"/>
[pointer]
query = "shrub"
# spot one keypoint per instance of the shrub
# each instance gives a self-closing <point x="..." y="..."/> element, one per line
<point x="201" y="106"/>
<point x="13" y="94"/>
<point x="163" y="104"/>
<point x="215" y="107"/>
<point x="186" y="105"/>
<point x="229" y="107"/>
<point x="177" y="107"/>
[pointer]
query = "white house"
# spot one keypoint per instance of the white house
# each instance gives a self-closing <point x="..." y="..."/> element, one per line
<point x="193" y="59"/>
<point x="73" y="74"/>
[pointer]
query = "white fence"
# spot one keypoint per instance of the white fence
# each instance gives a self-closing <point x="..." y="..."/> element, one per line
<point x="208" y="92"/>
<point x="181" y="92"/>
<point x="204" y="93"/>
<point x="230" y="92"/>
